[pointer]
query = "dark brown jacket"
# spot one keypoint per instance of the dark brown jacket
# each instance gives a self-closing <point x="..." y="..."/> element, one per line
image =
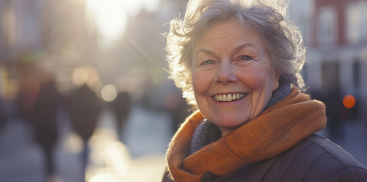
<point x="314" y="159"/>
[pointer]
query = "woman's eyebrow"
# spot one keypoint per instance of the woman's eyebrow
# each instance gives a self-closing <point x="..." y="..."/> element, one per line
<point x="235" y="50"/>
<point x="206" y="51"/>
<point x="239" y="48"/>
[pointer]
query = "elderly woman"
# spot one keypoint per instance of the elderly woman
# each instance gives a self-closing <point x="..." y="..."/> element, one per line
<point x="238" y="61"/>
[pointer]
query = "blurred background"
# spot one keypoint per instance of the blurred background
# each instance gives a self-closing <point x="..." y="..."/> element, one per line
<point x="84" y="95"/>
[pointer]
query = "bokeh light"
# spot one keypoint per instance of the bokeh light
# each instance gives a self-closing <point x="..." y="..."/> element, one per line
<point x="349" y="101"/>
<point x="86" y="75"/>
<point x="10" y="89"/>
<point x="73" y="143"/>
<point x="109" y="93"/>
<point x="80" y="76"/>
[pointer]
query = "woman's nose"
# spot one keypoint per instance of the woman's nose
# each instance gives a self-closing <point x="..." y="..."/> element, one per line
<point x="225" y="74"/>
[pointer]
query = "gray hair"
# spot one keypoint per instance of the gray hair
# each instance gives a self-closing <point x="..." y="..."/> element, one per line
<point x="282" y="39"/>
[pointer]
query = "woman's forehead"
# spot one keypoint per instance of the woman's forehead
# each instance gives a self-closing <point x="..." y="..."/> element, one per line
<point x="229" y="33"/>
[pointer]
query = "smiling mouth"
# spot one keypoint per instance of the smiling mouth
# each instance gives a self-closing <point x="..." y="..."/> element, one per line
<point x="228" y="97"/>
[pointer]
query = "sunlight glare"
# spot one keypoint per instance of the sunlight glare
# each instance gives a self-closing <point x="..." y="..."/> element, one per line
<point x="110" y="17"/>
<point x="151" y="5"/>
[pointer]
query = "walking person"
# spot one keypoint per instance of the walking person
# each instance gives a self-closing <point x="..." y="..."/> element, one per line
<point x="43" y="122"/>
<point x="84" y="108"/>
<point x="3" y="116"/>
<point x="121" y="107"/>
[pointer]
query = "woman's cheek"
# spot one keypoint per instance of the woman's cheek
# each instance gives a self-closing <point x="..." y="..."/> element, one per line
<point x="254" y="76"/>
<point x="200" y="81"/>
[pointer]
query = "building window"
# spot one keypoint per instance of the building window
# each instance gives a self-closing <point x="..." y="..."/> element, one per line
<point x="356" y="21"/>
<point x="327" y="27"/>
<point x="363" y="19"/>
<point x="352" y="23"/>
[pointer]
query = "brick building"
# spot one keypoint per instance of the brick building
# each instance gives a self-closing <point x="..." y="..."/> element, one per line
<point x="337" y="49"/>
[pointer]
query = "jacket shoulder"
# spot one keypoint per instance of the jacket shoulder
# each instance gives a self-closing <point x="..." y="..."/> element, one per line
<point x="314" y="159"/>
<point x="318" y="159"/>
<point x="333" y="150"/>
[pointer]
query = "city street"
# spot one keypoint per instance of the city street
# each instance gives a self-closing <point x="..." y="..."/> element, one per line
<point x="139" y="158"/>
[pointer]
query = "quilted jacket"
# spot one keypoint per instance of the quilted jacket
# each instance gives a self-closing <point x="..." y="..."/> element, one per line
<point x="314" y="159"/>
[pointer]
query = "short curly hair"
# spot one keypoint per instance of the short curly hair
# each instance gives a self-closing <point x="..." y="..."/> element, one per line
<point x="283" y="40"/>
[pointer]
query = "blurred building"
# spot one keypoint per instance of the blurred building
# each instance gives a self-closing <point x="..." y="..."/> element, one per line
<point x="59" y="36"/>
<point x="20" y="28"/>
<point x="38" y="37"/>
<point x="20" y="42"/>
<point x="141" y="55"/>
<point x="335" y="33"/>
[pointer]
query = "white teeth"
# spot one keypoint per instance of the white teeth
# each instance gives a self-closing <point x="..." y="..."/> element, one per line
<point x="229" y="97"/>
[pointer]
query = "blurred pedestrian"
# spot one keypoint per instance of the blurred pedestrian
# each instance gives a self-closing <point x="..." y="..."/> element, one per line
<point x="26" y="99"/>
<point x="178" y="109"/>
<point x="43" y="121"/>
<point x="335" y="113"/>
<point x="3" y="116"/>
<point x="84" y="108"/>
<point x="121" y="107"/>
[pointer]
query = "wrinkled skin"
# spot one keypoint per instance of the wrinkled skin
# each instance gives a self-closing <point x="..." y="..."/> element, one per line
<point x="231" y="58"/>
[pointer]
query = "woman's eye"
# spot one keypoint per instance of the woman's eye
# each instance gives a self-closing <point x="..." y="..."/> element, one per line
<point x="207" y="62"/>
<point x="246" y="58"/>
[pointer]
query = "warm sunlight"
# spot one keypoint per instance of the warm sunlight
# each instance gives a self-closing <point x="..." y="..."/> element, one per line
<point x="111" y="16"/>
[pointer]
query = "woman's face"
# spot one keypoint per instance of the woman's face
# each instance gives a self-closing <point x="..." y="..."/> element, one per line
<point x="231" y="74"/>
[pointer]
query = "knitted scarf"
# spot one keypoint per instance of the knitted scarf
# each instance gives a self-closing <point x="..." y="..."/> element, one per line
<point x="274" y="131"/>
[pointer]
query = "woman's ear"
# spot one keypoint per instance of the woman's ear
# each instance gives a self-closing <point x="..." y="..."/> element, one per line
<point x="276" y="76"/>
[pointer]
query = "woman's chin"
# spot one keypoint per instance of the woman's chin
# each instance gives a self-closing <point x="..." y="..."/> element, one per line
<point x="229" y="122"/>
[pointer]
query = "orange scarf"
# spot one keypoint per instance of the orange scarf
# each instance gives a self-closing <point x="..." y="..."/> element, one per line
<point x="274" y="131"/>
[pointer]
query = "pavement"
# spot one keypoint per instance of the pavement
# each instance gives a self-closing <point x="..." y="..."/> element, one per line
<point x="140" y="157"/>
